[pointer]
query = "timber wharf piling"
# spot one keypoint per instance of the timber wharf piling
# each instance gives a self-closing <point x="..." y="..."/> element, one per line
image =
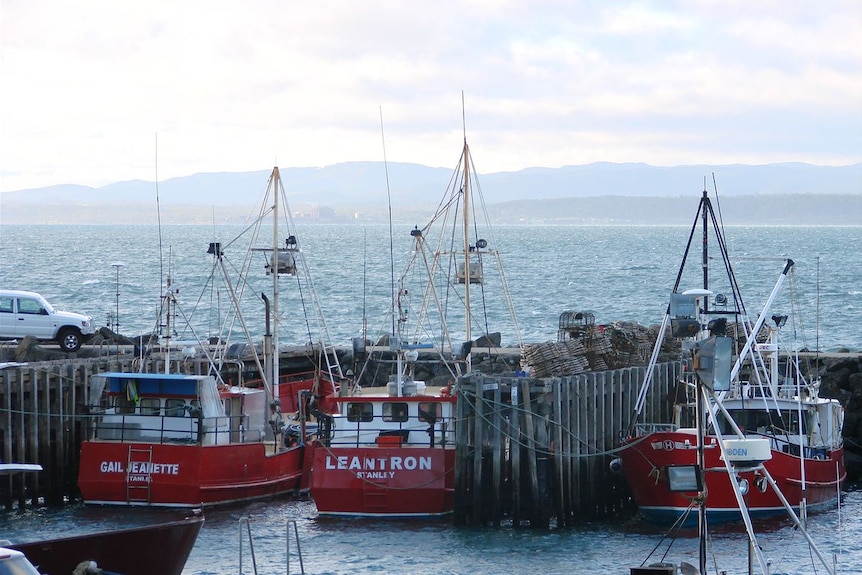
<point x="537" y="452"/>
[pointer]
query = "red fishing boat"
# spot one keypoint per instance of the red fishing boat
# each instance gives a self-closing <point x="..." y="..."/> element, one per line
<point x="764" y="430"/>
<point x="391" y="452"/>
<point x="196" y="440"/>
<point x="127" y="551"/>
<point x="188" y="441"/>
<point x="387" y="454"/>
<point x="160" y="548"/>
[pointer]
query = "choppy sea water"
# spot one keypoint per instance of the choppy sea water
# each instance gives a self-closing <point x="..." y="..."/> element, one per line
<point x="359" y="546"/>
<point x="620" y="273"/>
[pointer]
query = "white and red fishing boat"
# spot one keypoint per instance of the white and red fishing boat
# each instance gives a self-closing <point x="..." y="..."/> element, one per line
<point x="390" y="452"/>
<point x="387" y="454"/>
<point x="187" y="441"/>
<point x="167" y="439"/>
<point x="765" y="431"/>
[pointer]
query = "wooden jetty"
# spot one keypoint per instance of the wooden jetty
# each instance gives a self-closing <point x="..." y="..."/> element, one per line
<point x="537" y="452"/>
<point x="530" y="451"/>
<point x="533" y="451"/>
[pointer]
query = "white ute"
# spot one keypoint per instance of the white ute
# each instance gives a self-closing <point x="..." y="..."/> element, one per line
<point x="24" y="313"/>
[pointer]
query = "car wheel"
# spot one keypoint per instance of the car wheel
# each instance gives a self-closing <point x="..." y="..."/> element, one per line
<point x="69" y="339"/>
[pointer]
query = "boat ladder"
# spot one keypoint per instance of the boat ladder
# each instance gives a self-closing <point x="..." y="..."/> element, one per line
<point x="333" y="368"/>
<point x="138" y="474"/>
<point x="245" y="530"/>
<point x="375" y="498"/>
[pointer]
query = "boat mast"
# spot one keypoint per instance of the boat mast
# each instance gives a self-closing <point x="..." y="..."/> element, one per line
<point x="700" y="403"/>
<point x="169" y="300"/>
<point x="468" y="360"/>
<point x="467" y="270"/>
<point x="705" y="250"/>
<point x="700" y="399"/>
<point x="276" y="186"/>
<point x="396" y="289"/>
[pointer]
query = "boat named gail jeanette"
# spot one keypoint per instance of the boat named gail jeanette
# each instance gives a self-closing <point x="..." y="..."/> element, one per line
<point x="185" y="441"/>
<point x="165" y="439"/>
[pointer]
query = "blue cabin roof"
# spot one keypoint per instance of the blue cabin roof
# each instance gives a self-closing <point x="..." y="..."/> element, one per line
<point x="153" y="384"/>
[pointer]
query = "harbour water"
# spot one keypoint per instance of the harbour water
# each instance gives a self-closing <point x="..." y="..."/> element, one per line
<point x="359" y="547"/>
<point x="618" y="273"/>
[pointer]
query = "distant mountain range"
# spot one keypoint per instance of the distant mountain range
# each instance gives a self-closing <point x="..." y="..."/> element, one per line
<point x="790" y="193"/>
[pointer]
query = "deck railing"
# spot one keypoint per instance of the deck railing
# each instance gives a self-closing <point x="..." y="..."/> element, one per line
<point x="172" y="429"/>
<point x="416" y="431"/>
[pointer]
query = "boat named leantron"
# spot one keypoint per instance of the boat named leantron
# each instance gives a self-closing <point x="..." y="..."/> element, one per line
<point x="392" y="452"/>
<point x="386" y="455"/>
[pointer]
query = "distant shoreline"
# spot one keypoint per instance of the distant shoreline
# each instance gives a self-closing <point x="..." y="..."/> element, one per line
<point x="777" y="209"/>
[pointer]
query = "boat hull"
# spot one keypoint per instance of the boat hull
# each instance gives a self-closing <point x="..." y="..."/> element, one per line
<point x="144" y="474"/>
<point x="163" y="548"/>
<point x="407" y="481"/>
<point x="646" y="458"/>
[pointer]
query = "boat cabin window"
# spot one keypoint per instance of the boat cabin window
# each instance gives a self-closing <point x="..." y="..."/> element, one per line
<point x="763" y="421"/>
<point x="395" y="411"/>
<point x="175" y="407"/>
<point x="360" y="412"/>
<point x="124" y="405"/>
<point x="430" y="411"/>
<point x="150" y="405"/>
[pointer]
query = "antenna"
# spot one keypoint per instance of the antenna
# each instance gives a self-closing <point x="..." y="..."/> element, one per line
<point x="159" y="215"/>
<point x="817" y="316"/>
<point x="162" y="294"/>
<point x="463" y="116"/>
<point x="389" y="201"/>
<point x="364" y="284"/>
<point x="717" y="201"/>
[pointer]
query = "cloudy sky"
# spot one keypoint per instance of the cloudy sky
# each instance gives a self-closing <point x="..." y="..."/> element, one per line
<point x="99" y="91"/>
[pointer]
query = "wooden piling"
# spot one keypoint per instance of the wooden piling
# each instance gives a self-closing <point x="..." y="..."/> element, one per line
<point x="561" y="434"/>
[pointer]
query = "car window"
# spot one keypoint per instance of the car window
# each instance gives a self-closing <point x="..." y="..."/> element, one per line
<point x="27" y="305"/>
<point x="5" y="304"/>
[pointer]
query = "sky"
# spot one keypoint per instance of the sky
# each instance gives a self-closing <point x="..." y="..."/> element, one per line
<point x="100" y="91"/>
